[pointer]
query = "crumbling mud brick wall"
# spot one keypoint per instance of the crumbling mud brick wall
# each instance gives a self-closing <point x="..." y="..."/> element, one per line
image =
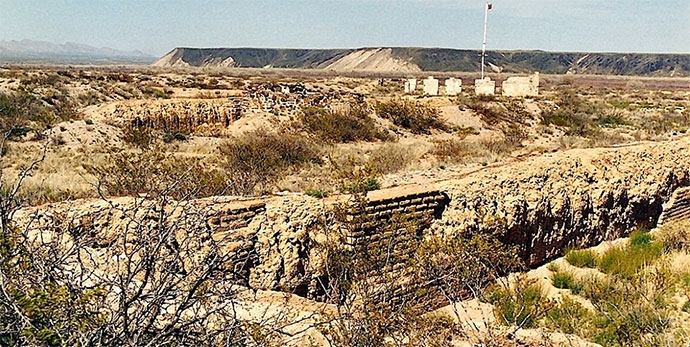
<point x="677" y="208"/>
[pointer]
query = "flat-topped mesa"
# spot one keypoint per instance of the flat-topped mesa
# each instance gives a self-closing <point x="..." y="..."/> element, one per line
<point x="544" y="204"/>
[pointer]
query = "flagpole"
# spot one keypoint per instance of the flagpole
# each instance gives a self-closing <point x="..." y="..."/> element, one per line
<point x="486" y="21"/>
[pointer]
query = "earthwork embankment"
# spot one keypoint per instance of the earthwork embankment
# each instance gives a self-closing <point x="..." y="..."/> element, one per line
<point x="545" y="204"/>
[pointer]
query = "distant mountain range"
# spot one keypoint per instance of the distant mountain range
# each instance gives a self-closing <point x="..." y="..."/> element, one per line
<point x="401" y="59"/>
<point x="74" y="53"/>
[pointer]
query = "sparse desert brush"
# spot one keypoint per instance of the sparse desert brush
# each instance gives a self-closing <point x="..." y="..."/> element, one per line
<point x="392" y="157"/>
<point x="417" y="118"/>
<point x="626" y="261"/>
<point x="340" y="126"/>
<point x="139" y="137"/>
<point x="154" y="171"/>
<point x="23" y="110"/>
<point x="521" y="304"/>
<point x="462" y="151"/>
<point x="573" y="113"/>
<point x="582" y="258"/>
<point x="355" y="175"/>
<point x="482" y="106"/>
<point x="568" y="316"/>
<point x="260" y="157"/>
<point x="675" y="235"/>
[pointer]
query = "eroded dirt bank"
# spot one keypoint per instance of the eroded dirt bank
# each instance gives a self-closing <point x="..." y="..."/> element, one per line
<point x="544" y="204"/>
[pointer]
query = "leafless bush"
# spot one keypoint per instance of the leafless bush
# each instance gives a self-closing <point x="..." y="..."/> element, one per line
<point x="257" y="159"/>
<point x="417" y="118"/>
<point x="159" y="276"/>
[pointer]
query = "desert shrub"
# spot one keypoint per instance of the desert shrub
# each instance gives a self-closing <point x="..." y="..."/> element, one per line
<point x="154" y="172"/>
<point x="573" y="113"/>
<point x="175" y="135"/>
<point x="626" y="261"/>
<point x="582" y="258"/>
<point x="139" y="137"/>
<point x="260" y="157"/>
<point x="459" y="151"/>
<point x="417" y="118"/>
<point x="340" y="126"/>
<point x="566" y="280"/>
<point x="611" y="119"/>
<point x="628" y="312"/>
<point x="391" y="158"/>
<point x="521" y="304"/>
<point x="568" y="316"/>
<point x="316" y="193"/>
<point x="463" y="265"/>
<point x="21" y="110"/>
<point x="355" y="175"/>
<point x="675" y="235"/>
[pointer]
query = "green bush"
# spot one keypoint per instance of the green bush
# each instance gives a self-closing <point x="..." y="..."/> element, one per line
<point x="522" y="305"/>
<point x="366" y="185"/>
<point x="627" y="261"/>
<point x="574" y="114"/>
<point x="640" y="237"/>
<point x="566" y="280"/>
<point x="582" y="258"/>
<point x="316" y="193"/>
<point x="419" y="119"/>
<point x="568" y="316"/>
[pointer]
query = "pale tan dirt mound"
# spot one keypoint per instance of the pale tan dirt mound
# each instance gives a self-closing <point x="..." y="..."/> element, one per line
<point x="379" y="59"/>
<point x="80" y="132"/>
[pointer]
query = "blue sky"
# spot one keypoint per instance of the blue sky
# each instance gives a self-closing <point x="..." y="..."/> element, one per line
<point x="157" y="26"/>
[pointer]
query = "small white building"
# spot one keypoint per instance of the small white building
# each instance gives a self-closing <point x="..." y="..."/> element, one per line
<point x="521" y="86"/>
<point x="453" y="86"/>
<point x="411" y="86"/>
<point x="431" y="86"/>
<point x="484" y="86"/>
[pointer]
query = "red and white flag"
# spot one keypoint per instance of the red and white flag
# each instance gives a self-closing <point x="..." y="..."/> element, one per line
<point x="489" y="6"/>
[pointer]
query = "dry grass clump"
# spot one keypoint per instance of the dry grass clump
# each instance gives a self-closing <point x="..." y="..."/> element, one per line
<point x="391" y="158"/>
<point x="461" y="151"/>
<point x="495" y="112"/>
<point x="582" y="258"/>
<point x="340" y="126"/>
<point x="417" y="118"/>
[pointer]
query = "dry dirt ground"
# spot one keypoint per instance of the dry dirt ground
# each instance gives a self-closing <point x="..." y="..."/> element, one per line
<point x="631" y="114"/>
